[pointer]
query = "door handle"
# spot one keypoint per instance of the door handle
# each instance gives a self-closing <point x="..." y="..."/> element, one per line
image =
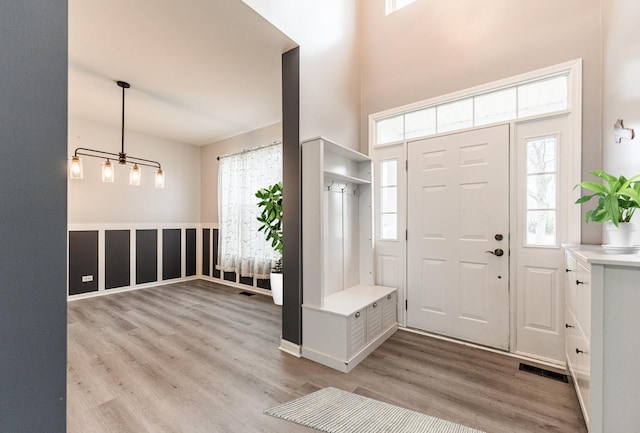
<point x="497" y="252"/>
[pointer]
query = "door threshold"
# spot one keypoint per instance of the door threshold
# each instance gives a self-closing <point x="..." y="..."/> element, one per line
<point x="530" y="359"/>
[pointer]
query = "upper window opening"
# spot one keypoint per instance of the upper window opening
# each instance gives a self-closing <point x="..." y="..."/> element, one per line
<point x="531" y="98"/>
<point x="394" y="5"/>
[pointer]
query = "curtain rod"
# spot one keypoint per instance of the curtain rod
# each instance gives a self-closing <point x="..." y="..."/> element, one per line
<point x="275" y="143"/>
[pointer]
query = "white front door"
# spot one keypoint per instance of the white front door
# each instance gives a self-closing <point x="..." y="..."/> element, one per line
<point x="458" y="225"/>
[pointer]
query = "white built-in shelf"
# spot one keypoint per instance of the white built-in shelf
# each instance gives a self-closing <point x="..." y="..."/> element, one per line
<point x="340" y="150"/>
<point x="345" y="316"/>
<point x="330" y="175"/>
<point x="350" y="300"/>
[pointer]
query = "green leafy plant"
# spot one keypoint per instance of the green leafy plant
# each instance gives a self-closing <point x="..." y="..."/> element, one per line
<point x="271" y="218"/>
<point x="617" y="199"/>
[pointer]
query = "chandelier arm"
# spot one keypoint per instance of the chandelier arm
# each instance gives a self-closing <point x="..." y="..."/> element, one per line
<point x="143" y="164"/>
<point x="157" y="164"/>
<point x="82" y="151"/>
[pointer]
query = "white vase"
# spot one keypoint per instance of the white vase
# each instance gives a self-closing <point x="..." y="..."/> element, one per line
<point x="276" y="288"/>
<point x="621" y="236"/>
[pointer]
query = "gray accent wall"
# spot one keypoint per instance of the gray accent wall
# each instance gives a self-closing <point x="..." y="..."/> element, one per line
<point x="291" y="202"/>
<point x="33" y="215"/>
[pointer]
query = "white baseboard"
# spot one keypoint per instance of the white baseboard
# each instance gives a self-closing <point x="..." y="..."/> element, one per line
<point x="235" y="285"/>
<point x="525" y="357"/>
<point x="129" y="288"/>
<point x="290" y="348"/>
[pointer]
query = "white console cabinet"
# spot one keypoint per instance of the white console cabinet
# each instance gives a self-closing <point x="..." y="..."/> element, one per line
<point x="603" y="336"/>
<point x="345" y="316"/>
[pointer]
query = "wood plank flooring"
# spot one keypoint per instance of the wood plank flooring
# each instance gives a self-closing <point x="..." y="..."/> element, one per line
<point x="201" y="358"/>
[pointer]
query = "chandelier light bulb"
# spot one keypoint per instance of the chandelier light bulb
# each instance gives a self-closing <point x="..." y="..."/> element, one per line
<point x="159" y="179"/>
<point x="134" y="175"/>
<point x="75" y="168"/>
<point x="108" y="174"/>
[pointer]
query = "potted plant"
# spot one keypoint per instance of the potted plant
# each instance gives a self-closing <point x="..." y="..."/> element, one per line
<point x="271" y="220"/>
<point x="618" y="199"/>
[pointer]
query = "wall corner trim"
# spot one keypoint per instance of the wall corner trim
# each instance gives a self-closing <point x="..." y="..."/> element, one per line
<point x="290" y="348"/>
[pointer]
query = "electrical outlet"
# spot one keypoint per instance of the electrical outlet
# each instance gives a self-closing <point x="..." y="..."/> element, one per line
<point x="87" y="278"/>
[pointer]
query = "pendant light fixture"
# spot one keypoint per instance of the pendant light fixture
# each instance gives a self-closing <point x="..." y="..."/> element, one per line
<point x="108" y="168"/>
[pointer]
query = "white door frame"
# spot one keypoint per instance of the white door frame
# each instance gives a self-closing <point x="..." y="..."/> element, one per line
<point x="572" y="163"/>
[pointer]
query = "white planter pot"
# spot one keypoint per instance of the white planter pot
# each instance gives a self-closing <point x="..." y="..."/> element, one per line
<point x="621" y="236"/>
<point x="276" y="288"/>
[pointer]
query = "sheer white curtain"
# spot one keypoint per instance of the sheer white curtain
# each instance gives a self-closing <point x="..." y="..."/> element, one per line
<point x="242" y="249"/>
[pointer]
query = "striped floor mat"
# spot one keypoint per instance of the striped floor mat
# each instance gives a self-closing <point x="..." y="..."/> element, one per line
<point x="332" y="410"/>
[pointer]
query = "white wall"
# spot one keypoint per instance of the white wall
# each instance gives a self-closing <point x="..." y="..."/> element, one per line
<point x="209" y="170"/>
<point x="431" y="48"/>
<point x="90" y="201"/>
<point x="621" y="92"/>
<point x="327" y="32"/>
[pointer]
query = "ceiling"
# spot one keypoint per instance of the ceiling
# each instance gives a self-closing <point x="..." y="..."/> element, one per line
<point x="200" y="70"/>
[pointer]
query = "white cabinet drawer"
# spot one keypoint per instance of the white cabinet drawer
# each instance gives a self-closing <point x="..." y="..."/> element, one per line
<point x="571" y="340"/>
<point x="389" y="311"/>
<point x="374" y="320"/>
<point x="583" y="374"/>
<point x="583" y="299"/>
<point x="356" y="328"/>
<point x="570" y="286"/>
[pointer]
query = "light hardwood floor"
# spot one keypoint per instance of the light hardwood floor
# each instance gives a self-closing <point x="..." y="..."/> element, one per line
<point x="201" y="358"/>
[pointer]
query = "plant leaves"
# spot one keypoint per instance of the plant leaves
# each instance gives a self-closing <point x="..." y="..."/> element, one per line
<point x="594" y="186"/>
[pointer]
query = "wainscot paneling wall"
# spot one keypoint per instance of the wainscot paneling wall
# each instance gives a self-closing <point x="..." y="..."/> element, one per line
<point x="117" y="257"/>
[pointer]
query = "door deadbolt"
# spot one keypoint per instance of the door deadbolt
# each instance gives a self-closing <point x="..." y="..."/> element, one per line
<point x="499" y="237"/>
<point x="497" y="252"/>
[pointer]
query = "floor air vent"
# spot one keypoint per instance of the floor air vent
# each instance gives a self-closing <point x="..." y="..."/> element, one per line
<point x="544" y="373"/>
<point x="247" y="293"/>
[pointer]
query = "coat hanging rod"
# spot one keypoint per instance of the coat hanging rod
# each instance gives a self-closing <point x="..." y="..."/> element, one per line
<point x="275" y="143"/>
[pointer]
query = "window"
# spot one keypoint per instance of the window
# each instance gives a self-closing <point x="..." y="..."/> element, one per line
<point x="242" y="249"/>
<point x="394" y="5"/>
<point x="542" y="96"/>
<point x="495" y="107"/>
<point x="420" y="123"/>
<point x="546" y="95"/>
<point x="541" y="191"/>
<point x="390" y="130"/>
<point x="389" y="199"/>
<point x="455" y="115"/>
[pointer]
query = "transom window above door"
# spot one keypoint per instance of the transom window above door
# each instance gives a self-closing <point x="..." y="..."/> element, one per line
<point x="541" y="96"/>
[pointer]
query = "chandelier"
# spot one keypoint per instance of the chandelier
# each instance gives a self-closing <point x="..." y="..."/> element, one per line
<point x="108" y="169"/>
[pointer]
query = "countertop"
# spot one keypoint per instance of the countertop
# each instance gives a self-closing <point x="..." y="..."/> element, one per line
<point x="595" y="254"/>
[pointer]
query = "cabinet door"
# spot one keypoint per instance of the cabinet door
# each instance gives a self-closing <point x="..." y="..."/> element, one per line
<point x="571" y="334"/>
<point x="570" y="286"/>
<point x="389" y="311"/>
<point x="583" y="299"/>
<point x="356" y="325"/>
<point x="583" y="374"/>
<point x="374" y="320"/>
